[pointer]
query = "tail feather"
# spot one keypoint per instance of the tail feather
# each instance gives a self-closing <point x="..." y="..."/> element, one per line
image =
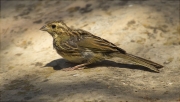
<point x="147" y="61"/>
<point x="141" y="61"/>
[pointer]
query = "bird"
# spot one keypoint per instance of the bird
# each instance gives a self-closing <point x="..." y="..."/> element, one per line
<point x="84" y="48"/>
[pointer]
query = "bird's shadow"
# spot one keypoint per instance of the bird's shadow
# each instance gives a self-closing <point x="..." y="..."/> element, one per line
<point x="59" y="64"/>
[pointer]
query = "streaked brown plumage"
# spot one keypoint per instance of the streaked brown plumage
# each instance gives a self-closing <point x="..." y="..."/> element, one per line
<point x="79" y="46"/>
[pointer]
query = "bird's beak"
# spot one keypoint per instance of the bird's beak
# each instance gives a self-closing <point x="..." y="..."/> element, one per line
<point x="44" y="28"/>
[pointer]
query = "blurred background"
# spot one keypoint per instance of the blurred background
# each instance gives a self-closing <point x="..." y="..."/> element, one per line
<point x="147" y="28"/>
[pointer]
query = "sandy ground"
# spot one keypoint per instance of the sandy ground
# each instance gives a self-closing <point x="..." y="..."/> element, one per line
<point x="149" y="29"/>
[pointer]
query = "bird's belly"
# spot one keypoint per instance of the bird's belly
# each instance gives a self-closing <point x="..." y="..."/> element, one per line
<point x="83" y="57"/>
<point x="72" y="57"/>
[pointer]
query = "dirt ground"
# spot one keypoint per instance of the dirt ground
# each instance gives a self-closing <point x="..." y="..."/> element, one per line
<point x="30" y="69"/>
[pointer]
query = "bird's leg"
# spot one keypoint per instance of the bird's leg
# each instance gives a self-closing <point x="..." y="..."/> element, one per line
<point x="80" y="66"/>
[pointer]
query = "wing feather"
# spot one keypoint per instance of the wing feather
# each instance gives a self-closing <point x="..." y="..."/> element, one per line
<point x="96" y="43"/>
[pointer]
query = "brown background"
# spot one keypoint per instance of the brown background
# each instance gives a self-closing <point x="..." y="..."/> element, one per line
<point x="148" y="28"/>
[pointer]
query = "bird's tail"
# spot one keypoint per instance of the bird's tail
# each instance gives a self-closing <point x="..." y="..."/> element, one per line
<point x="141" y="61"/>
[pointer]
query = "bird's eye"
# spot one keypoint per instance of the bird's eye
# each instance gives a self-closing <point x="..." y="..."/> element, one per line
<point x="53" y="26"/>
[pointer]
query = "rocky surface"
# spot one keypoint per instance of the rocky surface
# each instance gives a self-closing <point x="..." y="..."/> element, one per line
<point x="30" y="69"/>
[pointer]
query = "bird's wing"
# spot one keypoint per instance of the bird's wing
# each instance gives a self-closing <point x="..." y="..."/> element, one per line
<point x="94" y="43"/>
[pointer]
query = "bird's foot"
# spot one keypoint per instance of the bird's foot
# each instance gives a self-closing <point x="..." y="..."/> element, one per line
<point x="77" y="67"/>
<point x="72" y="68"/>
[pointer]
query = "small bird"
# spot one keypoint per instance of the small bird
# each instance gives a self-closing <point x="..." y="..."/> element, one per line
<point x="82" y="47"/>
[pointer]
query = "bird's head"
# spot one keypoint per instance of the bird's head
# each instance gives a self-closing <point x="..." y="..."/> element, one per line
<point x="55" y="27"/>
